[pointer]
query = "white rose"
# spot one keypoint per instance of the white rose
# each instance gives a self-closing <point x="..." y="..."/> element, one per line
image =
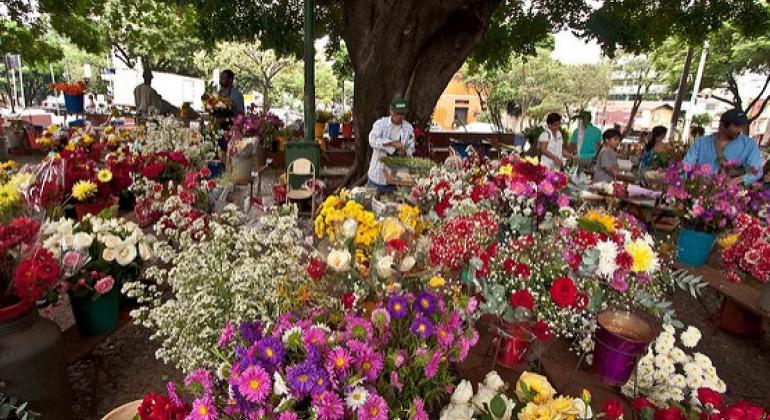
<point x="111" y="241"/>
<point x="68" y="241"/>
<point x="385" y="266"/>
<point x="457" y="412"/>
<point x="463" y="392"/>
<point x="125" y="255"/>
<point x="349" y="228"/>
<point x="493" y="381"/>
<point x="339" y="260"/>
<point x="407" y="264"/>
<point x="584" y="410"/>
<point x="145" y="251"/>
<point x="483" y="396"/>
<point x="109" y="254"/>
<point x="83" y="240"/>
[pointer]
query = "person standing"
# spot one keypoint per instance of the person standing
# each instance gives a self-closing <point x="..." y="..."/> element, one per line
<point x="588" y="138"/>
<point x="226" y="89"/>
<point x="607" y="168"/>
<point x="728" y="144"/>
<point x="390" y="135"/>
<point x="551" y="143"/>
<point x="653" y="146"/>
<point x="145" y="97"/>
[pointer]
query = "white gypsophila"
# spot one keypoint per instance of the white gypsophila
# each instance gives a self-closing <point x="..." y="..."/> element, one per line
<point x="608" y="252"/>
<point x="234" y="274"/>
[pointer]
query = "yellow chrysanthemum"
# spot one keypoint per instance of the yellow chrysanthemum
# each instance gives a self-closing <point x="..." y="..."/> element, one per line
<point x="109" y="129"/>
<point x="645" y="260"/>
<point x="87" y="139"/>
<point x="8" y="165"/>
<point x="728" y="240"/>
<point x="410" y="217"/>
<point x="83" y="190"/>
<point x="506" y="170"/>
<point x="104" y="175"/>
<point x="9" y="195"/>
<point x="391" y="229"/>
<point x="534" y="411"/>
<point x="538" y="385"/>
<point x="607" y="221"/>
<point x="22" y="180"/>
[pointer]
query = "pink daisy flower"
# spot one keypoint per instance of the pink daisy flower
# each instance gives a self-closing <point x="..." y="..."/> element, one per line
<point x="328" y="406"/>
<point x="338" y="360"/>
<point x="419" y="410"/>
<point x="375" y="408"/>
<point x="254" y="384"/>
<point x="203" y="409"/>
<point x="431" y="369"/>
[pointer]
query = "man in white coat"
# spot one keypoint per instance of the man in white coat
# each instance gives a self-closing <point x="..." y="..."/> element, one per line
<point x="390" y="135"/>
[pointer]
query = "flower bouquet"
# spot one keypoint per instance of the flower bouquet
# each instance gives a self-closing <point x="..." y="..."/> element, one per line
<point x="14" y="189"/>
<point x="90" y="187"/>
<point x="29" y="272"/>
<point x="329" y="366"/>
<point x="263" y="125"/>
<point x="747" y="255"/>
<point x="707" y="203"/>
<point x="218" y="105"/>
<point x="72" y="89"/>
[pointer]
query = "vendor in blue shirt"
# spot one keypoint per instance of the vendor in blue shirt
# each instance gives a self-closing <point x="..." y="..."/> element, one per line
<point x="728" y="144"/>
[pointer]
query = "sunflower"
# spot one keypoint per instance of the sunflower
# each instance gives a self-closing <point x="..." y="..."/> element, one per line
<point x="83" y="190"/>
<point x="9" y="195"/>
<point x="606" y="221"/>
<point x="104" y="176"/>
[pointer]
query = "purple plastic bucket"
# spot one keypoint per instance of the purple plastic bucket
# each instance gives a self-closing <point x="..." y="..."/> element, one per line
<point x="621" y="339"/>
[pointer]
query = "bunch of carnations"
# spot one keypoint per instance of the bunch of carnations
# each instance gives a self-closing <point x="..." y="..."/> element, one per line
<point x="99" y="251"/>
<point x="85" y="180"/>
<point x="163" y="166"/>
<point x="750" y="251"/>
<point x="121" y="163"/>
<point x="160" y="407"/>
<point x="29" y="271"/>
<point x="392" y="363"/>
<point x="462" y="238"/>
<point x="441" y="191"/>
<point x="668" y="373"/>
<point x="708" y="405"/>
<point x="707" y="202"/>
<point x="162" y="199"/>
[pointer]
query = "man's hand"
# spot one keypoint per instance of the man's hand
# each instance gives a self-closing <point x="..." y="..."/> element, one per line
<point x="399" y="147"/>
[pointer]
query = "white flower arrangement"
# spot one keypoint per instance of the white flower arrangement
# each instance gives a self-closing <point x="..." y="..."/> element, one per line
<point x="233" y="273"/>
<point x="667" y="373"/>
<point x="465" y="404"/>
<point x="169" y="134"/>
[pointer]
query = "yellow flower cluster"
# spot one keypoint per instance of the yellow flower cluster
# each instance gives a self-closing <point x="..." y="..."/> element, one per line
<point x="542" y="403"/>
<point x="644" y="257"/>
<point x="607" y="221"/>
<point x="104" y="175"/>
<point x="506" y="170"/>
<point x="83" y="190"/>
<point x="10" y="192"/>
<point x="8" y="165"/>
<point x="728" y="240"/>
<point x="335" y="210"/>
<point x="410" y="217"/>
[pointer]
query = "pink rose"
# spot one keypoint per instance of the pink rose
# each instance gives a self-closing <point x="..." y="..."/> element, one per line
<point x="72" y="259"/>
<point x="104" y="285"/>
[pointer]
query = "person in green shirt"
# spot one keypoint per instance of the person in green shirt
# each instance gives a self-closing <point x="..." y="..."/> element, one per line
<point x="588" y="139"/>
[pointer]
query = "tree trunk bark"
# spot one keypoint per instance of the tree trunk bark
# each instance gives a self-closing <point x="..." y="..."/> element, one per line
<point x="680" y="92"/>
<point x="634" y="109"/>
<point x="266" y="96"/>
<point x="413" y="58"/>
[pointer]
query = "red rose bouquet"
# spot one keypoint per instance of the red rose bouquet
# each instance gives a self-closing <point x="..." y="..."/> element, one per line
<point x="29" y="272"/>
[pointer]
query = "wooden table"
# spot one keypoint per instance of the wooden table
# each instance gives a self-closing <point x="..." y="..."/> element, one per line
<point x="650" y="210"/>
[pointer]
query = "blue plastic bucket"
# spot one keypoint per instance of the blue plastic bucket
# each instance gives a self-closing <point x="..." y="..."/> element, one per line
<point x="693" y="247"/>
<point x="74" y="103"/>
<point x="334" y="130"/>
<point x="216" y="167"/>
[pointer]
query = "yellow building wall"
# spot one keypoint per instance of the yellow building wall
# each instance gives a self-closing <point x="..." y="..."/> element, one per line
<point x="456" y="95"/>
<point x="660" y="116"/>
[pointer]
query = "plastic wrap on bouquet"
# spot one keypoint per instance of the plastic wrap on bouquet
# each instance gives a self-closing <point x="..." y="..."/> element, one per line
<point x="44" y="190"/>
<point x="241" y="152"/>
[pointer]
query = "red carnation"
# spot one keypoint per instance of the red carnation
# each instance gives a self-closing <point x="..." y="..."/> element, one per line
<point x="522" y="298"/>
<point x="348" y="300"/>
<point x="563" y="292"/>
<point x="316" y="268"/>
<point x="640" y="403"/>
<point x="178" y="157"/>
<point x="159" y="407"/>
<point x="205" y="172"/>
<point x="612" y="408"/>
<point x="397" y="245"/>
<point x="541" y="330"/>
<point x="509" y="265"/>
<point x="709" y="396"/>
<point x="154" y="170"/>
<point x="671" y="413"/>
<point x="624" y="260"/>
<point x="743" y="410"/>
<point x="522" y="270"/>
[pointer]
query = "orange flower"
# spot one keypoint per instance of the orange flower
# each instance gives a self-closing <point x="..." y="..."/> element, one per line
<point x="73" y="89"/>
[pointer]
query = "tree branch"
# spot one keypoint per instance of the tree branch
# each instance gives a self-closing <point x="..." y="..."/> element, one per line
<point x="762" y="92"/>
<point x="725" y="100"/>
<point x="761" y="109"/>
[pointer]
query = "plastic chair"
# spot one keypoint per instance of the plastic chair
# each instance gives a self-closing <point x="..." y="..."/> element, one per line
<point x="301" y="167"/>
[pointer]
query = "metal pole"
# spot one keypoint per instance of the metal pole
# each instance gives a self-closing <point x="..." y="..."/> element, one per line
<point x="21" y="86"/>
<point x="695" y="90"/>
<point x="15" y="101"/>
<point x="309" y="70"/>
<point x="53" y="78"/>
<point x="8" y="82"/>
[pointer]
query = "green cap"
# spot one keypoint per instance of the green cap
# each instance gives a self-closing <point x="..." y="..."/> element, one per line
<point x="399" y="106"/>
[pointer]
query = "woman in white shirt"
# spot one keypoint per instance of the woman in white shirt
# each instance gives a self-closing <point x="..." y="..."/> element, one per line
<point x="551" y="143"/>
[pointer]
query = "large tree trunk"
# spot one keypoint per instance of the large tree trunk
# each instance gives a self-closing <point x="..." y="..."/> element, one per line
<point x="412" y="54"/>
<point x="680" y="92"/>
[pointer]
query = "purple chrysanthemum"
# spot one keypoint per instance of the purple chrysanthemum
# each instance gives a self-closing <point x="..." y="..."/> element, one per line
<point x="201" y="377"/>
<point x="226" y="335"/>
<point x="203" y="409"/>
<point x="398" y="307"/>
<point x="251" y="331"/>
<point x="395" y="380"/>
<point x="431" y="368"/>
<point x="423" y="327"/>
<point x="254" y="384"/>
<point x="375" y="408"/>
<point x="328" y="406"/>
<point x="316" y="336"/>
<point x="270" y="350"/>
<point x="425" y="303"/>
<point x="338" y="360"/>
<point x="400" y="358"/>
<point x="301" y="378"/>
<point x="419" y="410"/>
<point x="370" y="364"/>
<point x="288" y="415"/>
<point x="359" y="328"/>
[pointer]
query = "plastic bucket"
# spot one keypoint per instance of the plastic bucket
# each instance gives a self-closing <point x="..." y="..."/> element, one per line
<point x="515" y="342"/>
<point x="693" y="247"/>
<point x="216" y="167"/>
<point x="334" y="130"/>
<point x="347" y="130"/>
<point x="96" y="316"/>
<point x="621" y="339"/>
<point x="74" y="103"/>
<point x="319" y="130"/>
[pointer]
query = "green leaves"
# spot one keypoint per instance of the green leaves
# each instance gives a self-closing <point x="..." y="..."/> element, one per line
<point x="686" y="281"/>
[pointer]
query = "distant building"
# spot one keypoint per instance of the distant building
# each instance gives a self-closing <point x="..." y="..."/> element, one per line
<point x="457" y="106"/>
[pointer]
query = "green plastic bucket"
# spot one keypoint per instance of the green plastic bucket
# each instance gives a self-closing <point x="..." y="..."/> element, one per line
<point x="96" y="316"/>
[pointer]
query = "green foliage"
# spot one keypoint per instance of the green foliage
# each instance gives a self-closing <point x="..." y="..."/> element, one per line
<point x="701" y="120"/>
<point x="12" y="408"/>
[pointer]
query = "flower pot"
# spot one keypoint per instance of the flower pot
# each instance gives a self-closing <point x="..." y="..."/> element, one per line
<point x="515" y="342"/>
<point x="216" y="167"/>
<point x="124" y="412"/>
<point x="32" y="361"/>
<point x="73" y="103"/>
<point x="736" y="320"/>
<point x="693" y="247"/>
<point x="96" y="316"/>
<point x="621" y="339"/>
<point x="334" y="130"/>
<point x="347" y="130"/>
<point x="319" y="130"/>
<point x="83" y="209"/>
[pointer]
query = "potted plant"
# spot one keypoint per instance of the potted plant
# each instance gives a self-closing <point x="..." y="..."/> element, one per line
<point x="708" y="204"/>
<point x="347" y="124"/>
<point x="73" y="95"/>
<point x="321" y="118"/>
<point x="33" y="366"/>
